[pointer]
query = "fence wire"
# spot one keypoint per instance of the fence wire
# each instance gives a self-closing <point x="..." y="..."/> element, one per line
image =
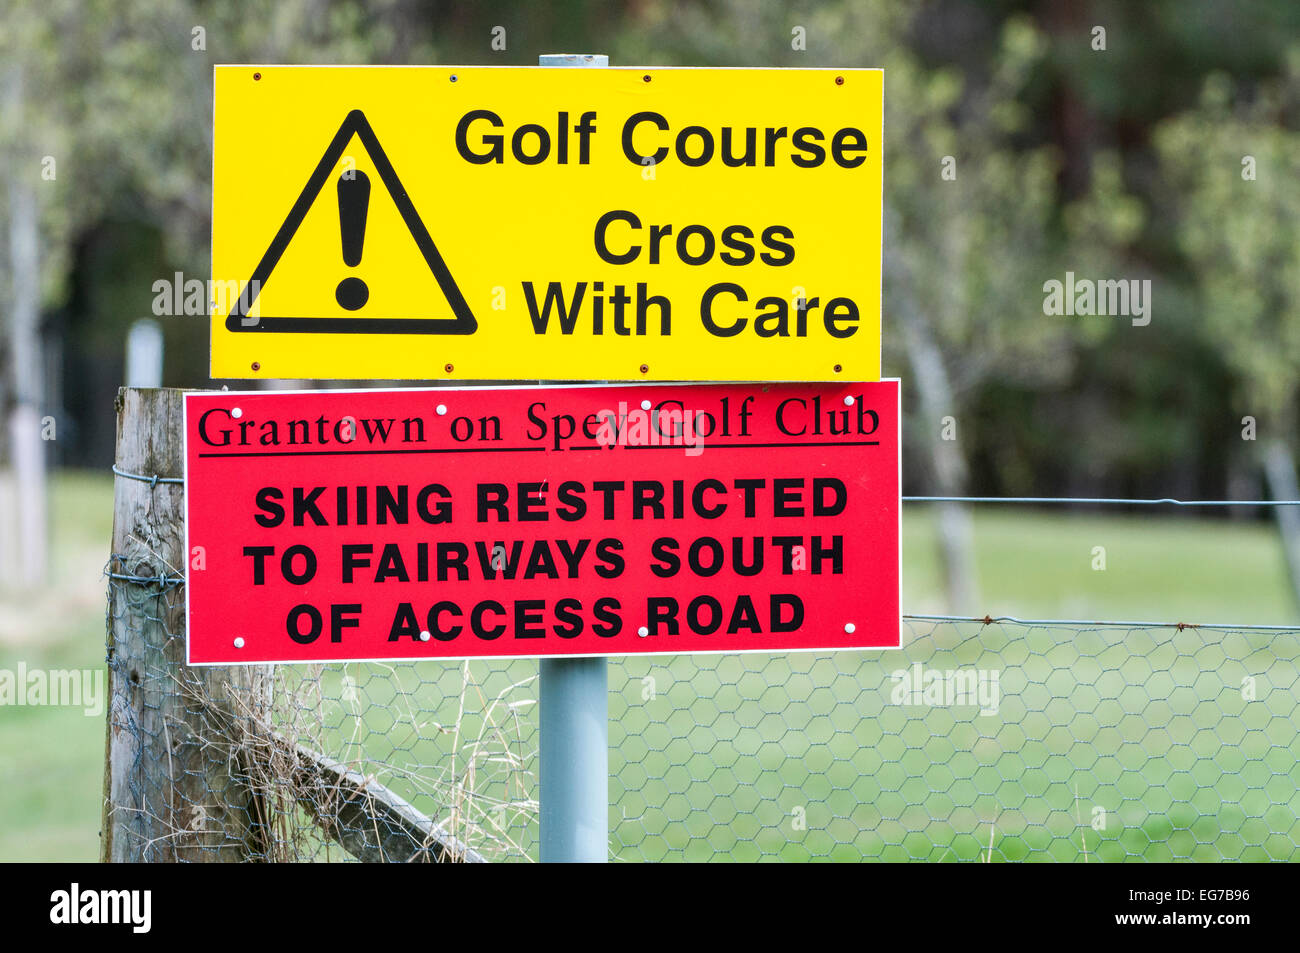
<point x="997" y="740"/>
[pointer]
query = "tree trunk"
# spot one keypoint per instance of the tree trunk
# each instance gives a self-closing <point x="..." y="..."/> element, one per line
<point x="1279" y="471"/>
<point x="28" y="548"/>
<point x="956" y="535"/>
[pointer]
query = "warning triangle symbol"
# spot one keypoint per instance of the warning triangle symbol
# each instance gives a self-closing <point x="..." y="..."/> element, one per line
<point x="244" y="318"/>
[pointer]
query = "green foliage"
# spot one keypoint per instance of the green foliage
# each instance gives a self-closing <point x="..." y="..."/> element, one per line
<point x="1242" y="236"/>
<point x="948" y="242"/>
<point x="121" y="97"/>
<point x="1121" y="163"/>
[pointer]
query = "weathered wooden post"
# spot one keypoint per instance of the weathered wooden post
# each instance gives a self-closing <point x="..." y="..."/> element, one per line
<point x="176" y="736"/>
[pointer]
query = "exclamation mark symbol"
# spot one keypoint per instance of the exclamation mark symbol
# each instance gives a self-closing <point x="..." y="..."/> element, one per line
<point x="354" y="200"/>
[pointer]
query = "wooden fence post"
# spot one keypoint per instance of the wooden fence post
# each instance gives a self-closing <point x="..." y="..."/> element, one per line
<point x="172" y="788"/>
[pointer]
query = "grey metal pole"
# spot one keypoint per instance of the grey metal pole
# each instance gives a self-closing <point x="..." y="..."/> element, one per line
<point x="574" y="719"/>
<point x="574" y="797"/>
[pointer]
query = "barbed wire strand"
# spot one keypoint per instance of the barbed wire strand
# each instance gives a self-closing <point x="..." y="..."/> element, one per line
<point x="1033" y="500"/>
<point x="1075" y="623"/>
<point x="151" y="480"/>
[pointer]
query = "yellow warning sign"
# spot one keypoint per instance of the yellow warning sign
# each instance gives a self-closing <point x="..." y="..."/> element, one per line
<point x="524" y="223"/>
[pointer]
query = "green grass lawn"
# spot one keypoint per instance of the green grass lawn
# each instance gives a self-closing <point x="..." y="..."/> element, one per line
<point x="1161" y="566"/>
<point x="804" y="756"/>
<point x="52" y="759"/>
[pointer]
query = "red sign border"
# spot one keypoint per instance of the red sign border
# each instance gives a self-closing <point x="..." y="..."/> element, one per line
<point x="627" y="385"/>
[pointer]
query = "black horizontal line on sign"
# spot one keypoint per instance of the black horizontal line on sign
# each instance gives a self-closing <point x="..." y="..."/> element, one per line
<point x="664" y="446"/>
<point x="308" y="325"/>
<point x="351" y="453"/>
<point x="742" y="446"/>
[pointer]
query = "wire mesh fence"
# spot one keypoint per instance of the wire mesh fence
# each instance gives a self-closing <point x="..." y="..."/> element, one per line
<point x="997" y="740"/>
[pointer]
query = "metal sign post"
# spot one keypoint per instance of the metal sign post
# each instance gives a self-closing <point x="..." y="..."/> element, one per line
<point x="574" y="725"/>
<point x="573" y="800"/>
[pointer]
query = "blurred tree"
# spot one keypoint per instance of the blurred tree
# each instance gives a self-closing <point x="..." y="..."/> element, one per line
<point x="1235" y="166"/>
<point x="1048" y="142"/>
<point x="122" y="105"/>
<point x="1234" y="161"/>
<point x="969" y="235"/>
<point x="107" y="116"/>
<point x="24" y="525"/>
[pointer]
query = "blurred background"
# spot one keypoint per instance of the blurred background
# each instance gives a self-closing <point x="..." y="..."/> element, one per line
<point x="1023" y="140"/>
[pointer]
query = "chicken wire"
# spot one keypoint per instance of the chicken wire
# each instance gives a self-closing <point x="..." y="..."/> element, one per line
<point x="976" y="741"/>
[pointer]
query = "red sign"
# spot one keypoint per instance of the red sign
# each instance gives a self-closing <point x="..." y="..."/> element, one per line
<point x="541" y="521"/>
